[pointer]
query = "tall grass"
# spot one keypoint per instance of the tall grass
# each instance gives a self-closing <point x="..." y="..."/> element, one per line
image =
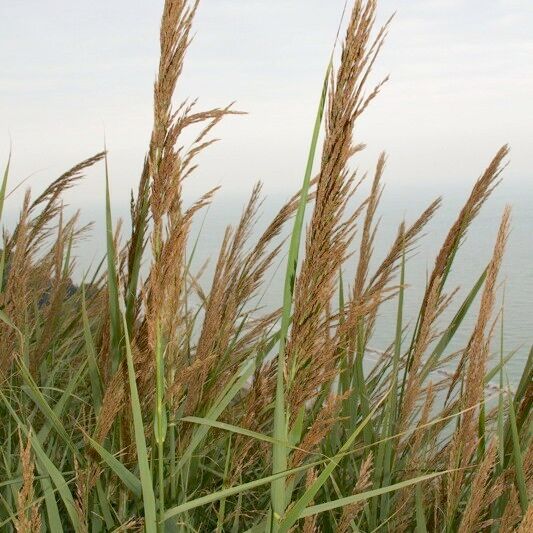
<point x="142" y="401"/>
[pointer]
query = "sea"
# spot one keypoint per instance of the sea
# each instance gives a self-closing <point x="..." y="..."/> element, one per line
<point x="399" y="202"/>
<point x="515" y="283"/>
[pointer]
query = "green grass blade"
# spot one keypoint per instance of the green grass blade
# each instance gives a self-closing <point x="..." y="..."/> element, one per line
<point x="37" y="397"/>
<point x="160" y="417"/>
<point x="501" y="408"/>
<point x="295" y="511"/>
<point x="228" y="427"/>
<point x="135" y="261"/>
<point x="491" y="374"/>
<point x="385" y="449"/>
<point x="150" y="521"/>
<point x="420" y="513"/>
<point x="128" y="478"/>
<point x="279" y="452"/>
<point x="45" y="466"/>
<point x="94" y="373"/>
<point x="230" y="491"/>
<point x="222" y="506"/>
<point x="112" y="279"/>
<point x="525" y="379"/>
<point x="520" y="476"/>
<point x="4" y="185"/>
<point x="62" y="403"/>
<point x="104" y="505"/>
<point x="349" y="500"/>
<point x="222" y="402"/>
<point x="497" y="508"/>
<point x="452" y="328"/>
<point x="52" y="511"/>
<point x="2" y="267"/>
<point x="344" y="378"/>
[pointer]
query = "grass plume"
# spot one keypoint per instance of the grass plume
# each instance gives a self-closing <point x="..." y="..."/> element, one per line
<point x="149" y="399"/>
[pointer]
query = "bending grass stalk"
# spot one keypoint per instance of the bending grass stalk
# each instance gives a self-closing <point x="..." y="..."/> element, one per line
<point x="416" y="331"/>
<point x="94" y="373"/>
<point x="295" y="512"/>
<point x="261" y="437"/>
<point x="115" y="333"/>
<point x="497" y="509"/>
<point x="517" y="456"/>
<point x="239" y="431"/>
<point x="4" y="185"/>
<point x="452" y="328"/>
<point x="2" y="198"/>
<point x="391" y="408"/>
<point x="150" y="520"/>
<point x="131" y="482"/>
<point x="112" y="278"/>
<point x="281" y="417"/>
<point x="160" y="418"/>
<point x="238" y="489"/>
<point x="45" y="466"/>
<point x="222" y="506"/>
<point x="236" y="383"/>
<point x="349" y="500"/>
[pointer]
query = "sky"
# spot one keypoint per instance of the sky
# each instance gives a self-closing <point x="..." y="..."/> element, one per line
<point x="461" y="85"/>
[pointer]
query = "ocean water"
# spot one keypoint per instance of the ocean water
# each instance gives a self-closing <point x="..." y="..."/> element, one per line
<point x="399" y="202"/>
<point x="515" y="289"/>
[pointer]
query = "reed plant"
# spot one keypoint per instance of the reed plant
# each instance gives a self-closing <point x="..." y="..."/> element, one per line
<point x="140" y="400"/>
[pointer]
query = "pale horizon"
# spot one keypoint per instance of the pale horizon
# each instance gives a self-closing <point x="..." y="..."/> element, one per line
<point x="461" y="78"/>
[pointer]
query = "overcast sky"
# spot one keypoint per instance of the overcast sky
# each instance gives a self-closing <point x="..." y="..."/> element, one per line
<point x="461" y="85"/>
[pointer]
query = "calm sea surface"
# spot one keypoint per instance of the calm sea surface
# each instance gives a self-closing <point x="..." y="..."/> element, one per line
<point x="402" y="203"/>
<point x="516" y="278"/>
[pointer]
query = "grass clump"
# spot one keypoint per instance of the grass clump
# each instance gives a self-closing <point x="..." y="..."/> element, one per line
<point x="141" y="402"/>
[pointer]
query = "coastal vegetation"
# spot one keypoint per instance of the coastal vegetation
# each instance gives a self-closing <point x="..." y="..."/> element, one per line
<point x="144" y="398"/>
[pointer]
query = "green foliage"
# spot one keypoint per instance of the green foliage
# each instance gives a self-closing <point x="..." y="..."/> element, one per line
<point x="150" y="402"/>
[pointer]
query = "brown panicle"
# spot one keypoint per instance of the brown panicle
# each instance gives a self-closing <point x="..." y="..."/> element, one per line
<point x="329" y="235"/>
<point x="482" y="494"/>
<point x="16" y="294"/>
<point x="86" y="479"/>
<point x="47" y="206"/>
<point x="28" y="516"/>
<point x="229" y="317"/>
<point x="464" y="441"/>
<point x="512" y="512"/>
<point x="414" y="380"/>
<point x="59" y="282"/>
<point x="479" y="195"/>
<point x="223" y="304"/>
<point x="319" y="429"/>
<point x="404" y="242"/>
<point x="369" y="231"/>
<point x="364" y="481"/>
<point x="165" y="167"/>
<point x="309" y="525"/>
<point x="527" y="522"/>
<point x="417" y="462"/>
